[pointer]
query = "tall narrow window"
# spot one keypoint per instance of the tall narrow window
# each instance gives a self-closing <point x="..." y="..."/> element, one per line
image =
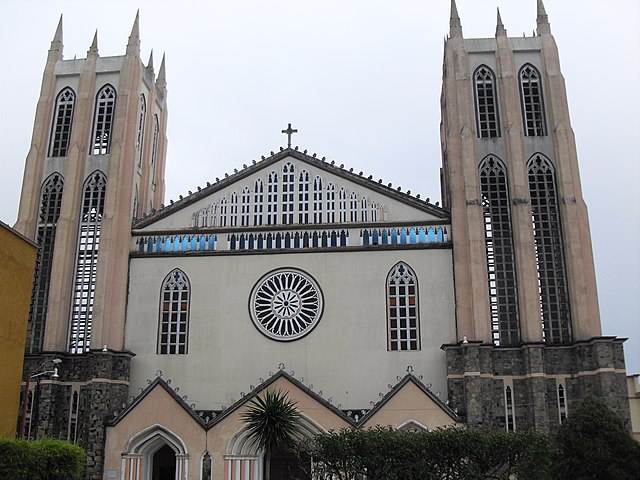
<point x="173" y="331"/>
<point x="353" y="207"/>
<point x="141" y="122"/>
<point x="562" y="404"/>
<point x="532" y="101"/>
<point x="402" y="309"/>
<point x="246" y="207"/>
<point x="223" y="212"/>
<point x="509" y="413"/>
<point x="258" y="202"/>
<point x="342" y="205"/>
<point x="154" y="152"/>
<point x="317" y="200"/>
<point x="50" y="203"/>
<point x="288" y="184"/>
<point x="365" y="210"/>
<point x="303" y="197"/>
<point x="374" y="211"/>
<point x="331" y="203"/>
<point x="103" y="120"/>
<point x="233" y="210"/>
<point x="213" y="215"/>
<point x="84" y="284"/>
<point x="498" y="240"/>
<point x="72" y="429"/>
<point x="486" y="103"/>
<point x="272" y="199"/>
<point x="62" y="121"/>
<point x="547" y="230"/>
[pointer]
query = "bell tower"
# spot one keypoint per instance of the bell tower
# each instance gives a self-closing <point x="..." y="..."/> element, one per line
<point x="95" y="163"/>
<point x="526" y="299"/>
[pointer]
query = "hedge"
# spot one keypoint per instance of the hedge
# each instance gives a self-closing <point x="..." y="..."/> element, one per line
<point x="43" y="459"/>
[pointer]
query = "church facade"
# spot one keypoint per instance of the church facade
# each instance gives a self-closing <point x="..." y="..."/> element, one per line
<point x="368" y="305"/>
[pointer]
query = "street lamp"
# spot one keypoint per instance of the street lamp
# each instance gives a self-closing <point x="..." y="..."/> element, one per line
<point x="36" y="374"/>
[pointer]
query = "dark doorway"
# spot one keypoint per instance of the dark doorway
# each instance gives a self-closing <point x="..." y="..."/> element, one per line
<point x="286" y="465"/>
<point x="164" y="464"/>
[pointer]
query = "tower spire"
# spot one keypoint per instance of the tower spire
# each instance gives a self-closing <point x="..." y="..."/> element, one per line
<point x="455" y="27"/>
<point x="134" y="38"/>
<point x="93" y="49"/>
<point x="162" y="76"/>
<point x="500" y="30"/>
<point x="150" y="62"/>
<point x="542" y="19"/>
<point x="56" y="43"/>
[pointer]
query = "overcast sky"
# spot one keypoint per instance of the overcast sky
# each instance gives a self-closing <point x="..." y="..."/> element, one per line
<point x="360" y="80"/>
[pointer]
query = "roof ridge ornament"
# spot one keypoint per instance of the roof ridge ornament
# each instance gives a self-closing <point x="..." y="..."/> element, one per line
<point x="289" y="131"/>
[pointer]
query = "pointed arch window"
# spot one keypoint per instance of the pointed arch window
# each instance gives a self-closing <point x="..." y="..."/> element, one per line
<point x="303" y="197"/>
<point x="213" y="215"/>
<point x="50" y="203"/>
<point x="402" y="309"/>
<point x="532" y="101"/>
<point x="62" y="121"/>
<point x="288" y="199"/>
<point x="84" y="284"/>
<point x="353" y="207"/>
<point x="547" y="231"/>
<point x="331" y="203"/>
<point x="141" y="121"/>
<point x="154" y="151"/>
<point x="509" y="410"/>
<point x="498" y="240"/>
<point x="486" y="103"/>
<point x="258" y="202"/>
<point x="342" y="205"/>
<point x="365" y="210"/>
<point x="173" y="328"/>
<point x="223" y="212"/>
<point x="233" y="210"/>
<point x="103" y="120"/>
<point x="245" y="213"/>
<point x="272" y="199"/>
<point x="317" y="200"/>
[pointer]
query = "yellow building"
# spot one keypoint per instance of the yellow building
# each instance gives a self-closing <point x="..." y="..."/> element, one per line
<point x="17" y="261"/>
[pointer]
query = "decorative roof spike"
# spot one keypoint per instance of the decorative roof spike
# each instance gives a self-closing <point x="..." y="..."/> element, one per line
<point x="161" y="81"/>
<point x="500" y="30"/>
<point x="56" y="43"/>
<point x="542" y="19"/>
<point x="134" y="38"/>
<point x="93" y="49"/>
<point x="455" y="27"/>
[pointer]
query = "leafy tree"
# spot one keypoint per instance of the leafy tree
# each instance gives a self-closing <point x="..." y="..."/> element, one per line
<point x="42" y="459"/>
<point x="594" y="444"/>
<point x="273" y="422"/>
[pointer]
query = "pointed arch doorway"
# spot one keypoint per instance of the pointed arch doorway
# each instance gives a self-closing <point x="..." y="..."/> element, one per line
<point x="155" y="453"/>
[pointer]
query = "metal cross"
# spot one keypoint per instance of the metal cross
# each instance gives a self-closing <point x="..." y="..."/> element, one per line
<point x="289" y="131"/>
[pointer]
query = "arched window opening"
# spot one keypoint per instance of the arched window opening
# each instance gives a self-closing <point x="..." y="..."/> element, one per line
<point x="62" y="121"/>
<point x="303" y="197"/>
<point x="258" y="200"/>
<point x="331" y="203"/>
<point x="103" y="120"/>
<point x="173" y="331"/>
<point x="141" y="121"/>
<point x="50" y="204"/>
<point x="486" y="103"/>
<point x="223" y="212"/>
<point x="272" y="199"/>
<point x="84" y="284"/>
<point x="72" y="431"/>
<point x="562" y="404"/>
<point x="233" y="213"/>
<point x="498" y="240"/>
<point x="246" y="207"/>
<point x="154" y="151"/>
<point x="207" y="466"/>
<point x="353" y="207"/>
<point x="317" y="200"/>
<point x="549" y="251"/>
<point x="532" y="101"/>
<point x="288" y="199"/>
<point x="365" y="210"/>
<point x="509" y="411"/>
<point x="342" y="205"/>
<point x="402" y="309"/>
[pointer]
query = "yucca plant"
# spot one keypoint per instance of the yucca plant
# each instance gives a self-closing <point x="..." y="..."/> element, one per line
<point x="273" y="422"/>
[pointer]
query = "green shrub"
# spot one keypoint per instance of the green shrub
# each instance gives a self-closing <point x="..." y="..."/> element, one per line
<point x="43" y="459"/>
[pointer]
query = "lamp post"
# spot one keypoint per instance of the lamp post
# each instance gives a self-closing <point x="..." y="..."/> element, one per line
<point x="36" y="374"/>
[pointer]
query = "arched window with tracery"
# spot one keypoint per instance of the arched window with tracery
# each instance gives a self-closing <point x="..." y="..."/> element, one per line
<point x="245" y="214"/>
<point x="173" y="328"/>
<point x="233" y="210"/>
<point x="141" y="121"/>
<point x="258" y="201"/>
<point x="402" y="309"/>
<point x="487" y="119"/>
<point x="62" y="122"/>
<point x="498" y="241"/>
<point x="331" y="203"/>
<point x="103" y="120"/>
<point x="84" y="284"/>
<point x="288" y="195"/>
<point x="342" y="205"/>
<point x="353" y="207"/>
<point x="549" y="250"/>
<point x="532" y="101"/>
<point x="50" y="203"/>
<point x="154" y="151"/>
<point x="223" y="212"/>
<point x="365" y="210"/>
<point x="303" y="197"/>
<point x="272" y="199"/>
<point x="317" y="200"/>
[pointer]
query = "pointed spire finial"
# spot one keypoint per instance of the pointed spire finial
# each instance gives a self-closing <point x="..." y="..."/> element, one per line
<point x="500" y="30"/>
<point x="455" y="27"/>
<point x="56" y="43"/>
<point x="93" y="49"/>
<point x="134" y="38"/>
<point x="542" y="19"/>
<point x="161" y="81"/>
<point x="150" y="62"/>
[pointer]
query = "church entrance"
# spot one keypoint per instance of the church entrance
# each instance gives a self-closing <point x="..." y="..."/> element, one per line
<point x="164" y="464"/>
<point x="286" y="465"/>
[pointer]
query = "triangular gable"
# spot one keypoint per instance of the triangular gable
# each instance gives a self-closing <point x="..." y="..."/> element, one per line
<point x="410" y="401"/>
<point x="192" y="201"/>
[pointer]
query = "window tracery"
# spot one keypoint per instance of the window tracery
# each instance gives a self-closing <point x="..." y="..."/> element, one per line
<point x="532" y="101"/>
<point x="317" y="200"/>
<point x="272" y="199"/>
<point x="246" y="207"/>
<point x="258" y="199"/>
<point x="486" y="103"/>
<point x="331" y="203"/>
<point x="103" y="120"/>
<point x="141" y="121"/>
<point x="233" y="207"/>
<point x="303" y="197"/>
<point x="63" y="119"/>
<point x="402" y="309"/>
<point x="353" y="207"/>
<point x="154" y="152"/>
<point x="288" y="185"/>
<point x="173" y="330"/>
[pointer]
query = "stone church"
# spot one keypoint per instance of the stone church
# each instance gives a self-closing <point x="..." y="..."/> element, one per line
<point x="368" y="305"/>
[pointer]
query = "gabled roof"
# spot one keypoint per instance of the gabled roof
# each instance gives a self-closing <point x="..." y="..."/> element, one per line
<point x="266" y="162"/>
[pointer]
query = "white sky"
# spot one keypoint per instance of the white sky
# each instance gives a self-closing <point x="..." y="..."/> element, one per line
<point x="360" y="80"/>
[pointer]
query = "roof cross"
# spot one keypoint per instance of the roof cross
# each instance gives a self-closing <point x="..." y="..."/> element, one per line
<point x="289" y="131"/>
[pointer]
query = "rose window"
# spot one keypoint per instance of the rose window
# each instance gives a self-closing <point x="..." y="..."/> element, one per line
<point x="286" y="304"/>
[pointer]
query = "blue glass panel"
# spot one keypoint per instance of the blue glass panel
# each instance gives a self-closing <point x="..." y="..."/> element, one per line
<point x="287" y="240"/>
<point x="385" y="237"/>
<point x="232" y="242"/>
<point x="394" y="236"/>
<point x="403" y="236"/>
<point x="212" y="242"/>
<point x="242" y="242"/>
<point x="269" y="241"/>
<point x="296" y="240"/>
<point x="185" y="243"/>
<point x="260" y="241"/>
<point x="203" y="242"/>
<point x="440" y="234"/>
<point x="252" y="244"/>
<point x="325" y="241"/>
<point x="343" y="239"/>
<point x="422" y="237"/>
<point x="375" y="238"/>
<point x="431" y="237"/>
<point x="412" y="236"/>
<point x="194" y="242"/>
<point x="278" y="240"/>
<point x="365" y="237"/>
<point x="334" y="239"/>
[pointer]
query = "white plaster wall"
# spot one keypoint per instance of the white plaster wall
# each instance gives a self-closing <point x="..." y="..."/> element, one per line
<point x="345" y="356"/>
